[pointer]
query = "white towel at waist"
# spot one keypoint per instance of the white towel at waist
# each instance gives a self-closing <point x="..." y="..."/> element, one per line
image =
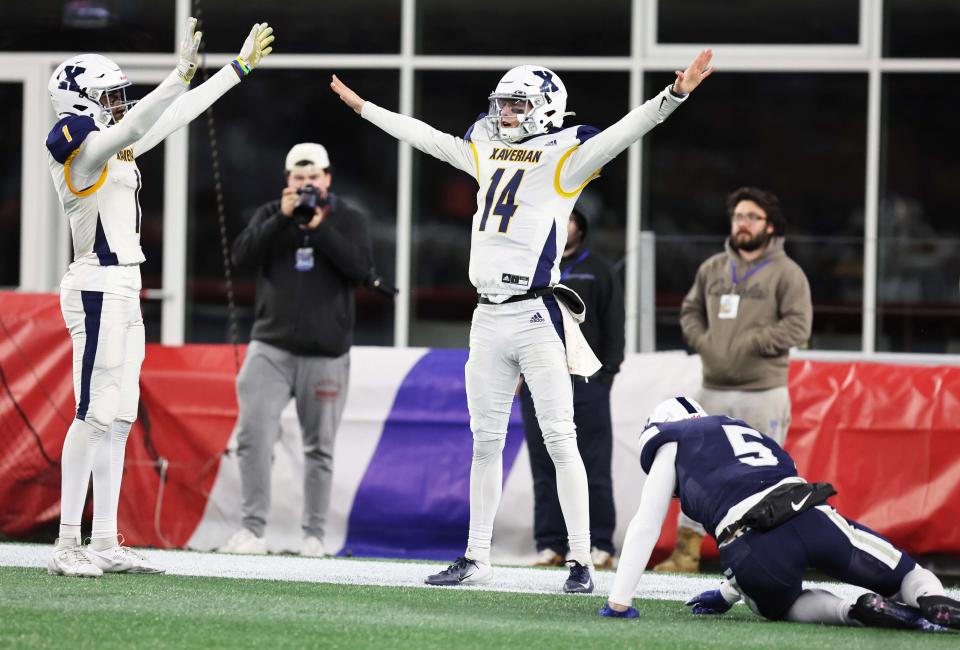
<point x="581" y="359"/>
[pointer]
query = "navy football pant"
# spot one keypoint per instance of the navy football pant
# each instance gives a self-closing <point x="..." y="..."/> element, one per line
<point x="768" y="567"/>
<point x="591" y="414"/>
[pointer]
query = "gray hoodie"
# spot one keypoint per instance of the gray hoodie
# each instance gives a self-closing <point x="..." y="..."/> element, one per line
<point x="750" y="351"/>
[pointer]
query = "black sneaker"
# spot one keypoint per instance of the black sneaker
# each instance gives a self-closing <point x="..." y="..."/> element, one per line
<point x="579" y="581"/>
<point x="463" y="571"/>
<point x="941" y="610"/>
<point x="873" y="610"/>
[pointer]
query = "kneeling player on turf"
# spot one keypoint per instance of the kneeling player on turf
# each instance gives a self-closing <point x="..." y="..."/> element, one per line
<point x="770" y="525"/>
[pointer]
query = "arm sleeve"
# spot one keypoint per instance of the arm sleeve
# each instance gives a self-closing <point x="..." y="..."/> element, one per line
<point x="253" y="243"/>
<point x="693" y="312"/>
<point x="187" y="107"/>
<point x="100" y="146"/>
<point x="613" y="323"/>
<point x="796" y="316"/>
<point x="440" y="145"/>
<point x="349" y="249"/>
<point x="644" y="528"/>
<point x="596" y="152"/>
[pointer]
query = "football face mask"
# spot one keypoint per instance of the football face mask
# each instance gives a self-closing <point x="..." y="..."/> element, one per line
<point x="512" y="117"/>
<point x="113" y="102"/>
<point x="528" y="101"/>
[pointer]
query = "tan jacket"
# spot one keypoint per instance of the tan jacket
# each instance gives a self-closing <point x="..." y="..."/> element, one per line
<point x="751" y="351"/>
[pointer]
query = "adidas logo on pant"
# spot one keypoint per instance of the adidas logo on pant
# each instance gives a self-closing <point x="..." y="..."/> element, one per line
<point x="536" y="318"/>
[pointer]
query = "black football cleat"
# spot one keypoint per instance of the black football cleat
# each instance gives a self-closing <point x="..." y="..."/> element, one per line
<point x="941" y="610"/>
<point x="873" y="610"/>
<point x="579" y="581"/>
<point x="463" y="571"/>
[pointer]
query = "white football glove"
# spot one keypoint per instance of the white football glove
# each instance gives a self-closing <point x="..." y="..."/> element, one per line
<point x="189" y="51"/>
<point x="256" y="47"/>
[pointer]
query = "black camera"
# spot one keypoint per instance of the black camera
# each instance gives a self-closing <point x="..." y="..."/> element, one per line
<point x="309" y="200"/>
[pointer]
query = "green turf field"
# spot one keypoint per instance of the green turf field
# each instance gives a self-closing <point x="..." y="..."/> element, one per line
<point x="124" y="611"/>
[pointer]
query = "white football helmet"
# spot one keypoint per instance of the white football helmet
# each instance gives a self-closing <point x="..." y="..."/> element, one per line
<point x="676" y="409"/>
<point x="529" y="100"/>
<point x="92" y="85"/>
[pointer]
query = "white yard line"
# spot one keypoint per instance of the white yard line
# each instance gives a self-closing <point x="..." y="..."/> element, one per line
<point x="388" y="574"/>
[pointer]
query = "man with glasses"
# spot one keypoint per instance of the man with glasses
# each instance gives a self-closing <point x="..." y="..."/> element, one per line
<point x="748" y="306"/>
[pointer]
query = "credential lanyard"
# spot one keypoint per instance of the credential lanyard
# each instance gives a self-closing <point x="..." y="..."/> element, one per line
<point x="566" y="273"/>
<point x="733" y="271"/>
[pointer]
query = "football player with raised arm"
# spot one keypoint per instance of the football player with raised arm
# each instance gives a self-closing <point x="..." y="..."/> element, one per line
<point x="92" y="152"/>
<point x="530" y="169"/>
<point x="770" y="525"/>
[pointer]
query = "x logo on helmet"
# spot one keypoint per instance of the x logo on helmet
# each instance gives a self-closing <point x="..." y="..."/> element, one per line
<point x="71" y="72"/>
<point x="547" y="86"/>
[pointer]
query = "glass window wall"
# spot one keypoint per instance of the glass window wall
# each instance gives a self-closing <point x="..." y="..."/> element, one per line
<point x="921" y="28"/>
<point x="918" y="303"/>
<point x="354" y="27"/>
<point x="89" y="25"/>
<point x="801" y="136"/>
<point x="292" y="106"/>
<point x="759" y="22"/>
<point x="11" y="139"/>
<point x="531" y="28"/>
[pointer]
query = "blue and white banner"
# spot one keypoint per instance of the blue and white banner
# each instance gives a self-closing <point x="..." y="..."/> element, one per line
<point x="402" y="461"/>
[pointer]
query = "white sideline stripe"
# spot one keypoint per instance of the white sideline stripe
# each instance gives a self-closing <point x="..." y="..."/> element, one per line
<point x="391" y="574"/>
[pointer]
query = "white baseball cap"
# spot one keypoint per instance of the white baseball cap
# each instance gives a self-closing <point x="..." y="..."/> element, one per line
<point x="310" y="152"/>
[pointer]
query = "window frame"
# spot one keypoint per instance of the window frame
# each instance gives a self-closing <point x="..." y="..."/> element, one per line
<point x="647" y="55"/>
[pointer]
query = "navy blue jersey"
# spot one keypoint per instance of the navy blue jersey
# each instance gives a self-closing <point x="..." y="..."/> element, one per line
<point x="720" y="462"/>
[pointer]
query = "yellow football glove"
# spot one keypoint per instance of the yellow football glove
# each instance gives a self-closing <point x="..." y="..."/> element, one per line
<point x="255" y="49"/>
<point x="189" y="51"/>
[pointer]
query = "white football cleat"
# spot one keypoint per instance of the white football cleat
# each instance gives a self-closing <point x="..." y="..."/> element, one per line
<point x="244" y="542"/>
<point x="73" y="562"/>
<point x="312" y="547"/>
<point x="121" y="559"/>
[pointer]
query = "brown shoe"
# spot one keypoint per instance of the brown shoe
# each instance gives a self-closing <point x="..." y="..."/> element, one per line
<point x="686" y="554"/>
<point x="602" y="559"/>
<point x="549" y="557"/>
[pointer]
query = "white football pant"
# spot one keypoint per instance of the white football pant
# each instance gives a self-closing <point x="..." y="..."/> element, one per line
<point x="505" y="341"/>
<point x="108" y="349"/>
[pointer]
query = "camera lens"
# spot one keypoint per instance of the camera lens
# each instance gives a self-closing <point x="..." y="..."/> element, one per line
<point x="306" y="203"/>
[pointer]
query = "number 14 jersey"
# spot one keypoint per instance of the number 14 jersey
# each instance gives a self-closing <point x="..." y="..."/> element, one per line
<point x="520" y="227"/>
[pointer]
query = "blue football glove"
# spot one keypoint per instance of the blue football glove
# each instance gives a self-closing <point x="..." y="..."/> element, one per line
<point x="709" y="602"/>
<point x="631" y="612"/>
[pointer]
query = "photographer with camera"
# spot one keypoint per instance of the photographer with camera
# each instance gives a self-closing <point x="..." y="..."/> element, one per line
<point x="310" y="249"/>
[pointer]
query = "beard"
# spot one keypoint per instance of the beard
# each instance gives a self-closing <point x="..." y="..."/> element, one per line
<point x="750" y="243"/>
